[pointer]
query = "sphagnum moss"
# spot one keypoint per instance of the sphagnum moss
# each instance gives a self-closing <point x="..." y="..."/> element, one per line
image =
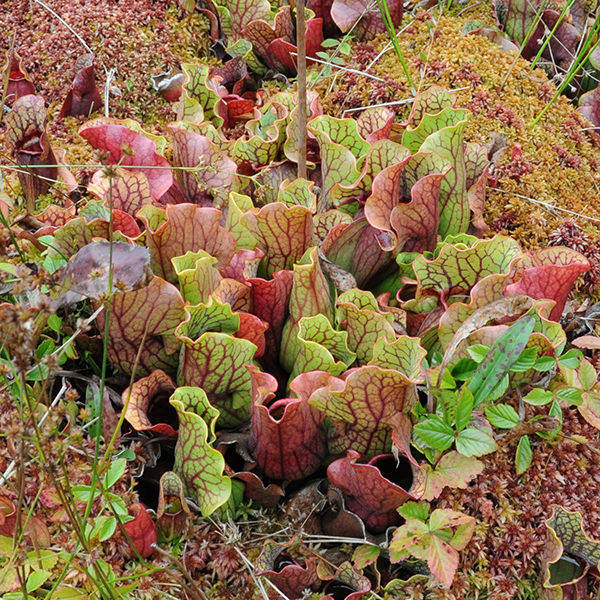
<point x="564" y="159"/>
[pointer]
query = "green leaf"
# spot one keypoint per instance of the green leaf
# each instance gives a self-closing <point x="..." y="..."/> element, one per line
<point x="570" y="359"/>
<point x="523" y="455"/>
<point x="36" y="580"/>
<point x="526" y="361"/>
<point x="478" y="352"/>
<point x="116" y="470"/>
<point x="502" y="355"/>
<point x="55" y="323"/>
<point x="539" y="397"/>
<point x="587" y="375"/>
<point x="435" y="433"/>
<point x="502" y="416"/>
<point x="464" y="369"/>
<point x="198" y="464"/>
<point x="474" y="442"/>
<point x="415" y="510"/>
<point x="571" y="395"/>
<point x="83" y="492"/>
<point x="500" y="389"/>
<point x="464" y="408"/>
<point x="108" y="528"/>
<point x="544" y="364"/>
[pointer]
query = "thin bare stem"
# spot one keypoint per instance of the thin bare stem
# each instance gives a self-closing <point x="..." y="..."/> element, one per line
<point x="301" y="44"/>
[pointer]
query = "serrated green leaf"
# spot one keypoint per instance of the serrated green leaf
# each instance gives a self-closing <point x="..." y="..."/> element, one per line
<point x="569" y="394"/>
<point x="502" y="416"/>
<point x="435" y="433"/>
<point x="570" y="359"/>
<point x="523" y="455"/>
<point x="539" y="397"/>
<point x="544" y="364"/>
<point x="474" y="442"/>
<point x="587" y="375"/>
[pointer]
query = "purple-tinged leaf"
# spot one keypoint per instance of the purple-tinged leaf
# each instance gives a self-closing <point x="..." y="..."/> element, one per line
<point x="145" y="404"/>
<point x="360" y="406"/>
<point x="144" y="318"/>
<point x="550" y="274"/>
<point x="182" y="228"/>
<point x="325" y="222"/>
<point x="26" y="134"/>
<point x="260" y="33"/>
<point x="173" y="511"/>
<point x="235" y="15"/>
<point x="141" y="531"/>
<point x="86" y="275"/>
<point x="270" y="301"/>
<point x="130" y="190"/>
<point x="83" y="98"/>
<point x="284" y="51"/>
<point x="476" y="168"/>
<point x="589" y="106"/>
<point x="518" y="18"/>
<point x="374" y="490"/>
<point x="199" y="466"/>
<point x="363" y="18"/>
<point x="283" y="233"/>
<point x="18" y="83"/>
<point x="112" y="136"/>
<point x="169" y="86"/>
<point x="563" y="44"/>
<point x="310" y="296"/>
<point x="322" y="10"/>
<point x="290" y="577"/>
<point x="288" y="438"/>
<point x="404" y="204"/>
<point x="375" y="124"/>
<point x="380" y="155"/>
<point x="255" y="490"/>
<point x="354" y="248"/>
<point x="211" y="172"/>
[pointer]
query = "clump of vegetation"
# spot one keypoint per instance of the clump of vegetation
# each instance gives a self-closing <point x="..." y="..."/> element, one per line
<point x="219" y="378"/>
